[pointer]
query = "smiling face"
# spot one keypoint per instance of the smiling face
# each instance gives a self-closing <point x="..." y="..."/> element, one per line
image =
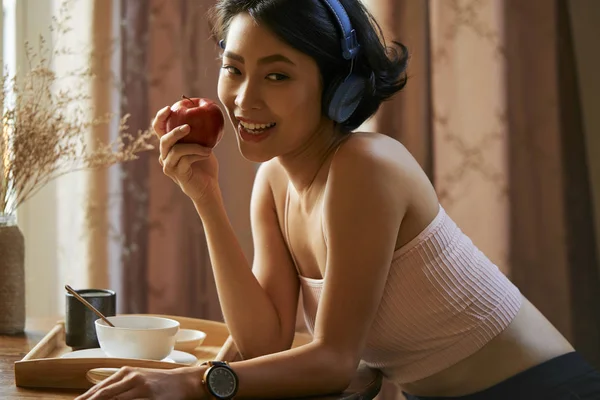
<point x="271" y="91"/>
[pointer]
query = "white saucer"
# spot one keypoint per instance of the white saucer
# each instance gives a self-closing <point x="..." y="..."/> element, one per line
<point x="176" y="356"/>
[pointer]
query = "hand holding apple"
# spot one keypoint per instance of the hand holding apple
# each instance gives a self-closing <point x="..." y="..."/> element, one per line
<point x="190" y="162"/>
<point x="204" y="118"/>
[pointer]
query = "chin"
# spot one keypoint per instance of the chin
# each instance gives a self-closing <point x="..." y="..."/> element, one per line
<point x="254" y="154"/>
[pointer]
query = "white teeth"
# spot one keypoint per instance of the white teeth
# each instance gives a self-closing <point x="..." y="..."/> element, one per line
<point x="256" y="126"/>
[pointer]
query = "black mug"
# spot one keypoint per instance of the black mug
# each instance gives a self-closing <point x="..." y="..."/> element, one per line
<point x="79" y="320"/>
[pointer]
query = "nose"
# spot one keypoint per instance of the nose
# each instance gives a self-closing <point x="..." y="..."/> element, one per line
<point x="248" y="97"/>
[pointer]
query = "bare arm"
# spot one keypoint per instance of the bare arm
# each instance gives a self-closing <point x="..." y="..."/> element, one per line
<point x="364" y="206"/>
<point x="229" y="351"/>
<point x="360" y="251"/>
<point x="259" y="305"/>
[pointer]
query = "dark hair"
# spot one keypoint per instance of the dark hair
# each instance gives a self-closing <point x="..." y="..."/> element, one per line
<point x="309" y="26"/>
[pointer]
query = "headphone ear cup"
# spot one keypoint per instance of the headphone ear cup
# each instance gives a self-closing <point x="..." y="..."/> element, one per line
<point x="343" y="97"/>
<point x="329" y="93"/>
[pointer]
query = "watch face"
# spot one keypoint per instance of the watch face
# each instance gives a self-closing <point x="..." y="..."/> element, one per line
<point x="222" y="382"/>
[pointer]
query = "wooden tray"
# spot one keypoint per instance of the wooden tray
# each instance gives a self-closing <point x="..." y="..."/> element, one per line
<point x="42" y="367"/>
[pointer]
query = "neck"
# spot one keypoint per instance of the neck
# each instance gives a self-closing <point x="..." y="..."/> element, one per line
<point x="304" y="164"/>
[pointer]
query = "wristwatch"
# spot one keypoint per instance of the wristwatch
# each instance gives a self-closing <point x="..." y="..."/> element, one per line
<point x="220" y="380"/>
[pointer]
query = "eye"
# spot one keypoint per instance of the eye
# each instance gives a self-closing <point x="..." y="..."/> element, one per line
<point x="231" y="70"/>
<point x="278" y="77"/>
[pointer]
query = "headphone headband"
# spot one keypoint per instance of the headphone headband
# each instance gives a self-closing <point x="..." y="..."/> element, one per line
<point x="350" y="45"/>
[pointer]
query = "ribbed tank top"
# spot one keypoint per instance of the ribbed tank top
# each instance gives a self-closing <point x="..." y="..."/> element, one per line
<point x="443" y="301"/>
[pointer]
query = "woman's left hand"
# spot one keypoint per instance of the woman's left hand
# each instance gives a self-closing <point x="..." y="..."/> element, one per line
<point x="143" y="383"/>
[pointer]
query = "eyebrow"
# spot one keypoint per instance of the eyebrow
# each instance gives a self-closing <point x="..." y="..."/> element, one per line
<point x="265" y="60"/>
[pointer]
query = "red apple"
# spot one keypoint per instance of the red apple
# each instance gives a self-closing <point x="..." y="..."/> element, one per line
<point x="204" y="118"/>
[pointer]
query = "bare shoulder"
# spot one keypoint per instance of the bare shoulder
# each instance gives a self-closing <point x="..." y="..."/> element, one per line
<point x="383" y="165"/>
<point x="271" y="181"/>
<point x="368" y="165"/>
<point x="378" y="156"/>
<point x="271" y="174"/>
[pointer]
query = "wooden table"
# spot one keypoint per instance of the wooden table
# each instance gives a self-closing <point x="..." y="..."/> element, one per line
<point x="365" y="385"/>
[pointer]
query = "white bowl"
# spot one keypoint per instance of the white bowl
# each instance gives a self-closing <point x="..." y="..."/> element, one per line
<point x="137" y="336"/>
<point x="188" y="339"/>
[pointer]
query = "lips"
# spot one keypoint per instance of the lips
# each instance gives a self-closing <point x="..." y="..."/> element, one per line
<point x="255" y="137"/>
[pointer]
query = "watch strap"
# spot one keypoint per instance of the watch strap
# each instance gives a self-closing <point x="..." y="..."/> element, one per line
<point x="215" y="363"/>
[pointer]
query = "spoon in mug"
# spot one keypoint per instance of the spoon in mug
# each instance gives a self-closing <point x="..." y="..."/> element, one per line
<point x="88" y="305"/>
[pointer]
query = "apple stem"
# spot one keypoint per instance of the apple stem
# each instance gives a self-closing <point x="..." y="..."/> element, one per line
<point x="183" y="96"/>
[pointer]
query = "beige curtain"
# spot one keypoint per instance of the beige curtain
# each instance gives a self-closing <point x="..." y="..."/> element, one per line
<point x="469" y="120"/>
<point x="98" y="193"/>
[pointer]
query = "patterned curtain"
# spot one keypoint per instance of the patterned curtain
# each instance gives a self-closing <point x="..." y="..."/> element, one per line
<point x="469" y="120"/>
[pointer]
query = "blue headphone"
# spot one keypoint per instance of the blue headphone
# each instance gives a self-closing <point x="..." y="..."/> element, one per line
<point x="344" y="93"/>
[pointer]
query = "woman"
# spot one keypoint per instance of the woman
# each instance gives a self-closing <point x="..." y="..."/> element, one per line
<point x="350" y="219"/>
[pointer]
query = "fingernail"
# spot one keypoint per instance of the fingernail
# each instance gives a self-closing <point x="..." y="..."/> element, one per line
<point x="165" y="108"/>
<point x="185" y="128"/>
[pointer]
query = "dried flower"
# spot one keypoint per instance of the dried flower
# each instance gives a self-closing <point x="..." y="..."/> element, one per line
<point x="45" y="130"/>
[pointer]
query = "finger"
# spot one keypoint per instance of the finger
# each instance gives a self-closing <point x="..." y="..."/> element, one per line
<point x="115" y="390"/>
<point x="185" y="163"/>
<point x="171" y="162"/>
<point x="138" y="392"/>
<point x="186" y="149"/>
<point x="117" y="376"/>
<point x="159" y="124"/>
<point x="169" y="139"/>
<point x="175" y="166"/>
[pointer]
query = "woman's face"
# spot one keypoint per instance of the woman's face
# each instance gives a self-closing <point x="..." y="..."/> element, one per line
<point x="271" y="91"/>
